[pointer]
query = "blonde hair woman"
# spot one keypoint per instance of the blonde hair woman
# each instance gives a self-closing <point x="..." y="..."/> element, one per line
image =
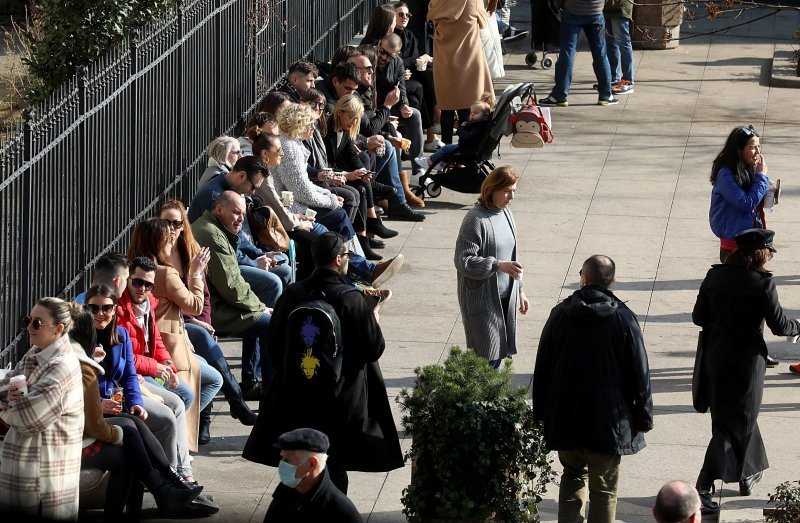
<point x="223" y="152"/>
<point x="40" y="461"/>
<point x="296" y="123"/>
<point x="343" y="125"/>
<point x="490" y="286"/>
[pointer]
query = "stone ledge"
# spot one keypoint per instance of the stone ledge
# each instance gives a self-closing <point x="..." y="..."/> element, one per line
<point x="783" y="72"/>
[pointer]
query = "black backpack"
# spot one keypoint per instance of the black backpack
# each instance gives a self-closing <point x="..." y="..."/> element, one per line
<point x="313" y="351"/>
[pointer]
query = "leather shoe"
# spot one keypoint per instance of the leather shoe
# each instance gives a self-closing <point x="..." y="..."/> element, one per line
<point x="772" y="362"/>
<point x="252" y="391"/>
<point x="404" y="212"/>
<point x="747" y="484"/>
<point x="708" y="505"/>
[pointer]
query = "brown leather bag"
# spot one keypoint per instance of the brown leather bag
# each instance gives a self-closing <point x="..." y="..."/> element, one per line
<point x="267" y="229"/>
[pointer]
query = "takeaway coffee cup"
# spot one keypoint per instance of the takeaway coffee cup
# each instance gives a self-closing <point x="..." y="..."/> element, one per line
<point x="421" y="64"/>
<point x="20" y="383"/>
<point x="310" y="213"/>
<point x="287" y="198"/>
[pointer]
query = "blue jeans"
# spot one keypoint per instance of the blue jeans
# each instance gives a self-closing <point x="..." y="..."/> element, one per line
<point x="210" y="382"/>
<point x="204" y="345"/>
<point x="388" y="174"/>
<point x="283" y="271"/>
<point x="182" y="390"/>
<point x="264" y="284"/>
<point x="620" y="49"/>
<point x="256" y="365"/>
<point x="447" y="149"/>
<point x="594" y="29"/>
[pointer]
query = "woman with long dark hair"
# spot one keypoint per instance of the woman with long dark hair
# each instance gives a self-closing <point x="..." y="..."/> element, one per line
<point x="735" y="300"/>
<point x="739" y="180"/>
<point x="198" y="326"/>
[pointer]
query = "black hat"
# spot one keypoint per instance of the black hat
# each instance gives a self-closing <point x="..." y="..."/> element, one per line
<point x="303" y="439"/>
<point x="754" y="239"/>
<point x="325" y="247"/>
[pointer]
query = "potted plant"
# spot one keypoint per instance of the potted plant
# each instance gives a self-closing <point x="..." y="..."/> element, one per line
<point x="477" y="452"/>
<point x="786" y="499"/>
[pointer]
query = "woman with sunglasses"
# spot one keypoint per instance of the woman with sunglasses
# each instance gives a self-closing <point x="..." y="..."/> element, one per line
<point x="153" y="239"/>
<point x="223" y="153"/>
<point x="122" y="445"/>
<point x="739" y="182"/>
<point x="198" y="326"/>
<point x="40" y="460"/>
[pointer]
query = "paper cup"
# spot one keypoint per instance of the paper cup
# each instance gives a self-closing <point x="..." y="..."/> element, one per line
<point x="19" y="382"/>
<point x="287" y="198"/>
<point x="310" y="213"/>
<point x="421" y="64"/>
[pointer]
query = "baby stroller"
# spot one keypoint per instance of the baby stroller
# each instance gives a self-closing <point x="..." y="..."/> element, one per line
<point x="465" y="170"/>
<point x="545" y="26"/>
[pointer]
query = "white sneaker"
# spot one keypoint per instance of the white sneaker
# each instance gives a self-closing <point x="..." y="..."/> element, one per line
<point x="433" y="146"/>
<point x="422" y="162"/>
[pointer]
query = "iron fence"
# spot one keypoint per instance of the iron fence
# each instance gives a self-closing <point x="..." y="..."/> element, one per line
<point x="130" y="130"/>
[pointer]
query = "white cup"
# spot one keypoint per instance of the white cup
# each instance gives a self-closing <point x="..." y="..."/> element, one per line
<point x="20" y="383"/>
<point x="421" y="64"/>
<point x="310" y="213"/>
<point x="287" y="198"/>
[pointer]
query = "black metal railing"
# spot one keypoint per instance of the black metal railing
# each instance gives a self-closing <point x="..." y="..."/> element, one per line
<point x="131" y="129"/>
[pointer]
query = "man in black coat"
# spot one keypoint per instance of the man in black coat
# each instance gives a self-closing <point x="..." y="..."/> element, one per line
<point x="356" y="416"/>
<point x="306" y="493"/>
<point x="591" y="389"/>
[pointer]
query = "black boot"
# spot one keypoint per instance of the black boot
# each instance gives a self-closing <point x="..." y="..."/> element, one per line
<point x="376" y="226"/>
<point x="176" y="479"/>
<point x="404" y="212"/>
<point x="233" y="393"/>
<point x="204" y="434"/>
<point x="368" y="252"/>
<point x="171" y="500"/>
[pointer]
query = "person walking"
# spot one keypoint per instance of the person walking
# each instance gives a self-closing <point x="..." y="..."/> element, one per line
<point x="591" y="391"/>
<point x="734" y="301"/>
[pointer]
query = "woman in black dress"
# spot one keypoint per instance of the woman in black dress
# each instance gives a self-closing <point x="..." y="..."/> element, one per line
<point x="735" y="300"/>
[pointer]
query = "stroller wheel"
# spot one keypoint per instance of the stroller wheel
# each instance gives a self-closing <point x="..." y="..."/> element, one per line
<point x="434" y="190"/>
<point x="547" y="62"/>
<point x="530" y="59"/>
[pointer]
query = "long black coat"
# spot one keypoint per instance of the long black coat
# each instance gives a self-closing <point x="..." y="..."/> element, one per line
<point x="324" y="503"/>
<point x="357" y="418"/>
<point x="732" y="305"/>
<point x="591" y="383"/>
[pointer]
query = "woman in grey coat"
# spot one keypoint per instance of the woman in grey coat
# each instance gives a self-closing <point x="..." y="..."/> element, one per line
<point x="490" y="286"/>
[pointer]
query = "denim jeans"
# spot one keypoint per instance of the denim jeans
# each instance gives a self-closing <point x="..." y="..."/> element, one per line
<point x="210" y="382"/>
<point x="619" y="47"/>
<point x="594" y="29"/>
<point x="264" y="284"/>
<point x="204" y="345"/>
<point x="256" y="365"/>
<point x="182" y="390"/>
<point x="167" y="421"/>
<point x="388" y="174"/>
<point x="446" y="149"/>
<point x="601" y="472"/>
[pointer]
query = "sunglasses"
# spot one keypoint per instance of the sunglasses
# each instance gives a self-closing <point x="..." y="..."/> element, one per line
<point x="368" y="68"/>
<point x="404" y="15"/>
<point x="175" y="224"/>
<point x="35" y="324"/>
<point x="237" y="153"/>
<point x="384" y="52"/>
<point x="107" y="308"/>
<point x="138" y="283"/>
<point x="748" y="131"/>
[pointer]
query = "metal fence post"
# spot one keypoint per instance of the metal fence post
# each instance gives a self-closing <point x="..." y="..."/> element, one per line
<point x="83" y="181"/>
<point x="26" y="223"/>
<point x="179" y="90"/>
<point x="133" y="118"/>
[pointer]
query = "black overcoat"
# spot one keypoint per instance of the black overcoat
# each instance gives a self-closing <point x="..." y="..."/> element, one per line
<point x="324" y="503"/>
<point x="357" y="418"/>
<point x="732" y="306"/>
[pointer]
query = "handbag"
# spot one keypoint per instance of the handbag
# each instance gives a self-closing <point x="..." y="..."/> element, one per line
<point x="700" y="399"/>
<point x="267" y="228"/>
<point x="530" y="125"/>
<point x="492" y="48"/>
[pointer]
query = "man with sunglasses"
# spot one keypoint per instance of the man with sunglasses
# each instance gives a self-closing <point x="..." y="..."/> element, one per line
<point x="299" y="79"/>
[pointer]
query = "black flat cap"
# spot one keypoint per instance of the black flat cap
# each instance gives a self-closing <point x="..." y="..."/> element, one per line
<point x="303" y="439"/>
<point x="754" y="239"/>
<point x="325" y="247"/>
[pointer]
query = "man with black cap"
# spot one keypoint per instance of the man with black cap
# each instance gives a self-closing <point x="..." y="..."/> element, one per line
<point x="354" y="410"/>
<point x="591" y="390"/>
<point x="736" y="298"/>
<point x="306" y="493"/>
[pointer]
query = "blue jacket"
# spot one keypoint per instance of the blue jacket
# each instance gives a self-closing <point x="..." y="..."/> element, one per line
<point x="119" y="368"/>
<point x="733" y="209"/>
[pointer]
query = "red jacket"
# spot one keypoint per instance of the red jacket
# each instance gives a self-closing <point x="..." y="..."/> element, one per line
<point x="145" y="358"/>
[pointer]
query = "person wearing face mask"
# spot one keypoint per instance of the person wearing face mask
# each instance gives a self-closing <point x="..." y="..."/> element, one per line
<point x="306" y="492"/>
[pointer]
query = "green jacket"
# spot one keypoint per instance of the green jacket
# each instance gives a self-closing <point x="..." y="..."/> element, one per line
<point x="235" y="308"/>
<point x="623" y="7"/>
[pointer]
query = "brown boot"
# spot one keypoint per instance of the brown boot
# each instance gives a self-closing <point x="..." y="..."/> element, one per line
<point x="413" y="199"/>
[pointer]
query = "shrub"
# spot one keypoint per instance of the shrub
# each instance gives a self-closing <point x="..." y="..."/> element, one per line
<point x="786" y="499"/>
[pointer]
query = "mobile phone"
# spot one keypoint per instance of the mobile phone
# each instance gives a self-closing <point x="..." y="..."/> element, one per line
<point x="280" y="262"/>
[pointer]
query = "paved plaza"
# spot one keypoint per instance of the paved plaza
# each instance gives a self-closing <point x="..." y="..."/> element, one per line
<point x="629" y="181"/>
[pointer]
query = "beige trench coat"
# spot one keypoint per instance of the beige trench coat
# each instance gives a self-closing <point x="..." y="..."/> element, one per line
<point x="460" y="72"/>
<point x="173" y="296"/>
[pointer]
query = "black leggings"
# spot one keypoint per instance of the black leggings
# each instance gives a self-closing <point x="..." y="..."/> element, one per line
<point x="366" y="202"/>
<point x="448" y="116"/>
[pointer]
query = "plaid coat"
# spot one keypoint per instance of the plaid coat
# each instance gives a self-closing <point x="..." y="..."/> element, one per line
<point x="40" y="461"/>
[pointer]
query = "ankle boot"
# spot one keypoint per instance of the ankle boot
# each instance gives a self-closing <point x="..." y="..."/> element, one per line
<point x="233" y="393"/>
<point x="412" y="199"/>
<point x="376" y="226"/>
<point x="204" y="434"/>
<point x="368" y="252"/>
<point x="170" y="499"/>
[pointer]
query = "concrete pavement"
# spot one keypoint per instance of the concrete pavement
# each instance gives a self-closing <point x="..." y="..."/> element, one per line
<point x="629" y="181"/>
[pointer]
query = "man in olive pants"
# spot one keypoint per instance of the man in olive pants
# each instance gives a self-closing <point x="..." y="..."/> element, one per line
<point x="591" y="390"/>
